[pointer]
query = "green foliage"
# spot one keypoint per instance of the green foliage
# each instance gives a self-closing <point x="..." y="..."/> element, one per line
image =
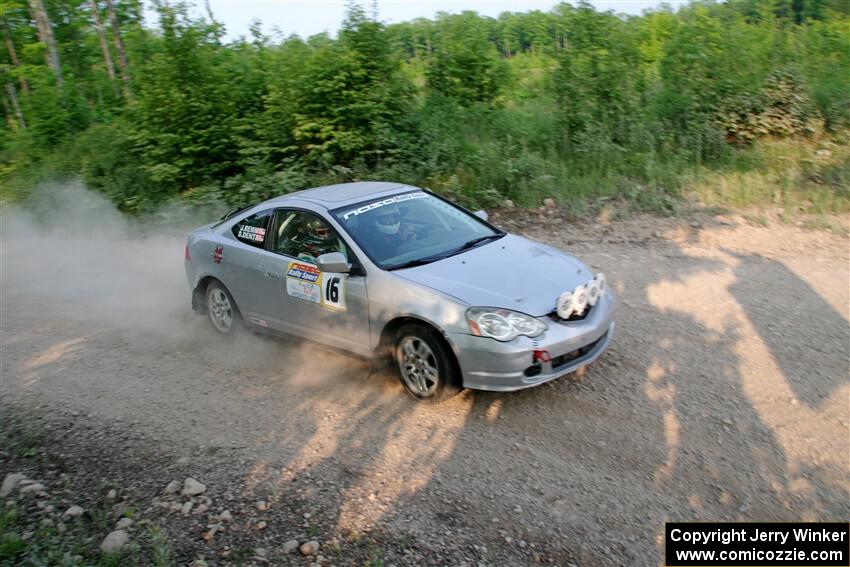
<point x="465" y="65"/>
<point x="781" y="109"/>
<point x="572" y="103"/>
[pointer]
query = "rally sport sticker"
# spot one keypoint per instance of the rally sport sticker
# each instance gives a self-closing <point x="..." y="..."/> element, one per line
<point x="306" y="282"/>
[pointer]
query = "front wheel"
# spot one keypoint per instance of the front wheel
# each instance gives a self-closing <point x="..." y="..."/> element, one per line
<point x="221" y="308"/>
<point x="426" y="366"/>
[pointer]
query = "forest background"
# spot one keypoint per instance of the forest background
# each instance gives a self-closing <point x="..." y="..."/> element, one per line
<point x="741" y="103"/>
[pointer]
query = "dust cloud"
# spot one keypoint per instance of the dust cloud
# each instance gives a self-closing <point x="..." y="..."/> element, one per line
<point x="79" y="257"/>
<point x="68" y="256"/>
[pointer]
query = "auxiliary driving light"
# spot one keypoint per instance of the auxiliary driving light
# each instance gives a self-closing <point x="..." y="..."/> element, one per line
<point x="580" y="299"/>
<point x="592" y="292"/>
<point x="565" y="305"/>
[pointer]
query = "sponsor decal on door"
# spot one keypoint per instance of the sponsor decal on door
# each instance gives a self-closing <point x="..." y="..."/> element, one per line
<point x="307" y="283"/>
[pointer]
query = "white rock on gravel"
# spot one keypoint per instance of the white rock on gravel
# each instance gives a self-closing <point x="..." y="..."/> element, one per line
<point x="187" y="507"/>
<point x="32" y="488"/>
<point x="212" y="530"/>
<point x="173" y="487"/>
<point x="112" y="494"/>
<point x="262" y="525"/>
<point x="549" y="203"/>
<point x="309" y="548"/>
<point x="74" y="512"/>
<point x="262" y="505"/>
<point x="9" y="483"/>
<point x="124" y="523"/>
<point x="192" y="487"/>
<point x="290" y="546"/>
<point x="115" y="541"/>
<point x="225" y="516"/>
<point x="200" y="509"/>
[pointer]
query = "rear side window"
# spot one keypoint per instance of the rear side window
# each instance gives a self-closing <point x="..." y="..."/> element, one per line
<point x="252" y="230"/>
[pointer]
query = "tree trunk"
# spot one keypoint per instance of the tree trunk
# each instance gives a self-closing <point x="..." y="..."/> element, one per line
<point x="101" y="34"/>
<point x="119" y="46"/>
<point x="45" y="34"/>
<point x="13" y="97"/>
<point x="210" y="12"/>
<point x="13" y="55"/>
<point x="7" y="114"/>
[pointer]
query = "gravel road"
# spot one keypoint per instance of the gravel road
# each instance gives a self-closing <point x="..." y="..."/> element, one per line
<point x="723" y="397"/>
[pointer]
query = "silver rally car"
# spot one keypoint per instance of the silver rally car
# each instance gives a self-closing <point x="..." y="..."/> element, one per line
<point x="383" y="269"/>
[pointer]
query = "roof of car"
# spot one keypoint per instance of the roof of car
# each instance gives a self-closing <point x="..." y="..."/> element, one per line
<point x="339" y="195"/>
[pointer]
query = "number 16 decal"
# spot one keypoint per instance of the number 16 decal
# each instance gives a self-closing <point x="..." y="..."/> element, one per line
<point x="333" y="290"/>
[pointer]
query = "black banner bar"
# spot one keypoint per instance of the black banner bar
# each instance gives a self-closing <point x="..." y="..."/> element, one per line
<point x="757" y="544"/>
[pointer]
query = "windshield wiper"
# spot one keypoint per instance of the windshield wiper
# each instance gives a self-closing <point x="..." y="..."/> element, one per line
<point x="476" y="241"/>
<point x="428" y="259"/>
<point x="417" y="262"/>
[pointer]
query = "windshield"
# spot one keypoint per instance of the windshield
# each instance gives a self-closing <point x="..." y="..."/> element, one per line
<point x="412" y="229"/>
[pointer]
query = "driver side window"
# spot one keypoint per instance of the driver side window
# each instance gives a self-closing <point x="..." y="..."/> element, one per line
<point x="305" y="236"/>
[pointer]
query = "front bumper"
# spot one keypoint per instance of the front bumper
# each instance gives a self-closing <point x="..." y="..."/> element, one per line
<point x="487" y="364"/>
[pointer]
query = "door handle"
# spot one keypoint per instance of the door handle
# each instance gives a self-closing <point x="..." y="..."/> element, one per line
<point x="272" y="275"/>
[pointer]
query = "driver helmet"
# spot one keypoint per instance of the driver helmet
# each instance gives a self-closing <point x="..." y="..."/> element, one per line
<point x="316" y="233"/>
<point x="388" y="219"/>
<point x="318" y="229"/>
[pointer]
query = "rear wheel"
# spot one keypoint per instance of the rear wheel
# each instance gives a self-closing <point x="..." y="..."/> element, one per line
<point x="426" y="366"/>
<point x="221" y="308"/>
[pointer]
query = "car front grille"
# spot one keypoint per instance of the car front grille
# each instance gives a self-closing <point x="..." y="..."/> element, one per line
<point x="564" y="359"/>
<point x="559" y="361"/>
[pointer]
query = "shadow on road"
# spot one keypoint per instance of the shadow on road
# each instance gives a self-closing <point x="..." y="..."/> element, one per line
<point x="685" y="418"/>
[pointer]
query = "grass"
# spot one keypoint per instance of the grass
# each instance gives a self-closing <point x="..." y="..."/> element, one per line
<point x="162" y="555"/>
<point x="25" y="541"/>
<point x="22" y="543"/>
<point x="22" y="438"/>
<point x="792" y="177"/>
<point x="508" y="154"/>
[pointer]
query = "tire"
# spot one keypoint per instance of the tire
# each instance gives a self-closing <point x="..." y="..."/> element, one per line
<point x="222" y="310"/>
<point x="426" y="366"/>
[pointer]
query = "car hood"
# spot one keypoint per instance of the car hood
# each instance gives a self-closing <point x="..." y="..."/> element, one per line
<point x="510" y="273"/>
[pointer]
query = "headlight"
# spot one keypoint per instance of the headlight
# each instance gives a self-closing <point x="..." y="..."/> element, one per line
<point x="502" y="324"/>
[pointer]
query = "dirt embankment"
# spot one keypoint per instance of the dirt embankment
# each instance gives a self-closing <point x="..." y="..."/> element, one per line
<point x="723" y="397"/>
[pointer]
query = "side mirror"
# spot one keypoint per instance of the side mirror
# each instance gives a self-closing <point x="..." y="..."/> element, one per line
<point x="481" y="214"/>
<point x="333" y="262"/>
